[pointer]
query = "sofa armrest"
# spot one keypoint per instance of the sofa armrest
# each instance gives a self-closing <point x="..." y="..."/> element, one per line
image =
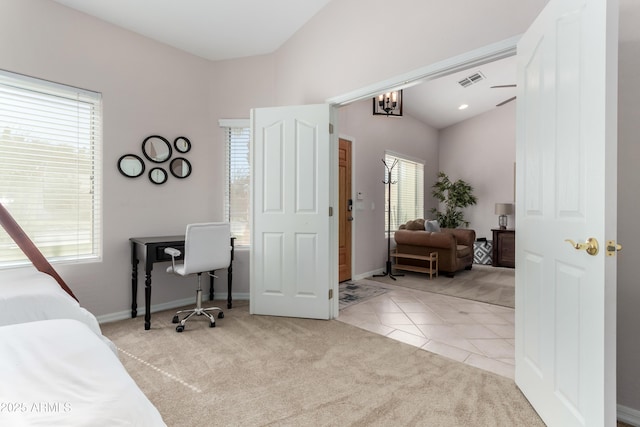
<point x="464" y="236"/>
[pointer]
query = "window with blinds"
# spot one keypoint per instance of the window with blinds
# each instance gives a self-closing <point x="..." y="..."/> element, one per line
<point x="407" y="194"/>
<point x="50" y="168"/>
<point x="238" y="178"/>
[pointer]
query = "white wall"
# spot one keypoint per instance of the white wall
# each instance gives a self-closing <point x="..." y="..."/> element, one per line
<point x="371" y="136"/>
<point x="482" y="151"/>
<point x="628" y="207"/>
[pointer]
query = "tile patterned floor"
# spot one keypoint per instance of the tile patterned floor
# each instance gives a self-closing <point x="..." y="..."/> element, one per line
<point x="475" y="333"/>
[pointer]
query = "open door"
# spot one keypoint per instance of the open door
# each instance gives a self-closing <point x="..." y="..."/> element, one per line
<point x="293" y="229"/>
<point x="566" y="159"/>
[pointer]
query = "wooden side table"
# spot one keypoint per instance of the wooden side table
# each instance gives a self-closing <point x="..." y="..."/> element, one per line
<point x="504" y="247"/>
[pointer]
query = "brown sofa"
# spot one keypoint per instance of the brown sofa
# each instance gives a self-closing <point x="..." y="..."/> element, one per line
<point x="454" y="246"/>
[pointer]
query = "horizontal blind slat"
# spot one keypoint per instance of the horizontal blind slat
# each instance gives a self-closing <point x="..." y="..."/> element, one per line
<point x="50" y="166"/>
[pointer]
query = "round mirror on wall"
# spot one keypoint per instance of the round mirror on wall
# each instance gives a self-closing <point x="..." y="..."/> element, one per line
<point x="182" y="144"/>
<point x="131" y="165"/>
<point x="156" y="148"/>
<point x="180" y="167"/>
<point x="158" y="176"/>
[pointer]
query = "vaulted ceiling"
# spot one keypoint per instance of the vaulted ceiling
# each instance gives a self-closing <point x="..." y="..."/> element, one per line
<point x="223" y="29"/>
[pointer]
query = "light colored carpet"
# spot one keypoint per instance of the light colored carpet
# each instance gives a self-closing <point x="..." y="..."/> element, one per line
<point x="261" y="370"/>
<point x="493" y="285"/>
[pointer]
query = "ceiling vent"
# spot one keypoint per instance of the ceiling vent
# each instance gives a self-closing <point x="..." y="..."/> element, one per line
<point x="472" y="79"/>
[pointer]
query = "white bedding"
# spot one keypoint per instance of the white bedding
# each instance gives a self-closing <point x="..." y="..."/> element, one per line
<point x="60" y="373"/>
<point x="27" y="295"/>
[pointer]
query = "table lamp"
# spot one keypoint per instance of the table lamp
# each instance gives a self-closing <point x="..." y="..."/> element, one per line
<point x="503" y="209"/>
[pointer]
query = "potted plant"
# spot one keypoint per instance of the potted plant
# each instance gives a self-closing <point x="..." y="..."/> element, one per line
<point x="455" y="196"/>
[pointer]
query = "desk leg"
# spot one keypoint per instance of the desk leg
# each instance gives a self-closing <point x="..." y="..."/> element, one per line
<point x="147" y="299"/>
<point x="134" y="281"/>
<point x="211" y="279"/>
<point x="229" y="282"/>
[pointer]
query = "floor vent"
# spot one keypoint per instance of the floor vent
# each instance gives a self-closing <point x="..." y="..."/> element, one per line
<point x="473" y="78"/>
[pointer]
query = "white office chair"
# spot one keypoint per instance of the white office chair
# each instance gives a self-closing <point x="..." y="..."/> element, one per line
<point x="207" y="248"/>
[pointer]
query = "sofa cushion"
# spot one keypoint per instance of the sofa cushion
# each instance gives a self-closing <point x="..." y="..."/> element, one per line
<point x="416" y="224"/>
<point x="463" y="251"/>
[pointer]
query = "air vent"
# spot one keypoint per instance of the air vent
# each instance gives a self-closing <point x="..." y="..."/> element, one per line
<point x="472" y="79"/>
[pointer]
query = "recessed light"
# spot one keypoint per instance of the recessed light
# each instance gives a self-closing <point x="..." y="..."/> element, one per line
<point x="463" y="107"/>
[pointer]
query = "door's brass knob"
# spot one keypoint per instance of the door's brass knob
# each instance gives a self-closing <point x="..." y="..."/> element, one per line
<point x="590" y="246"/>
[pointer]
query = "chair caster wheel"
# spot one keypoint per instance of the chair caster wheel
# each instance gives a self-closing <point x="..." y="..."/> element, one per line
<point x="179" y="328"/>
<point x="176" y="319"/>
<point x="221" y="315"/>
<point x="212" y="324"/>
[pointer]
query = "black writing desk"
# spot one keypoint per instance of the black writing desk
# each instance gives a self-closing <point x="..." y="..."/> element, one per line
<point x="153" y="250"/>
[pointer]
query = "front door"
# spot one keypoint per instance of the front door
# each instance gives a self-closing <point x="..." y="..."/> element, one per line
<point x="345" y="216"/>
<point x="293" y="248"/>
<point x="566" y="190"/>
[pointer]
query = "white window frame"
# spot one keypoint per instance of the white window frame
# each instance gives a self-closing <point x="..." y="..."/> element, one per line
<point x="240" y="229"/>
<point x="51" y="161"/>
<point x="401" y="190"/>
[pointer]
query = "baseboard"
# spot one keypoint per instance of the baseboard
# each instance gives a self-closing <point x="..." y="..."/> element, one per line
<point x="628" y="415"/>
<point x="126" y="314"/>
<point x="369" y="274"/>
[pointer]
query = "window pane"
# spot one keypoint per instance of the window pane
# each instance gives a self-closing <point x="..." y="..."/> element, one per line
<point x="237" y="202"/>
<point x="50" y="160"/>
<point x="407" y="190"/>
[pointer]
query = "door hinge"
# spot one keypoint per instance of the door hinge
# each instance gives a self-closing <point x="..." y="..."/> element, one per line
<point x="330" y="128"/>
<point x="330" y="210"/>
<point x="330" y="293"/>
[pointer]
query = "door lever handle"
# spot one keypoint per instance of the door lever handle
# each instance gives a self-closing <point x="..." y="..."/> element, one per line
<point x="590" y="246"/>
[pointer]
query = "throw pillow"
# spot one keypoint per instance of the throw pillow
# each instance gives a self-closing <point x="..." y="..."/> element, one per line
<point x="432" y="226"/>
<point x="416" y="224"/>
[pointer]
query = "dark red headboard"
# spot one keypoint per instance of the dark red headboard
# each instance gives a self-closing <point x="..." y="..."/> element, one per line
<point x="30" y="249"/>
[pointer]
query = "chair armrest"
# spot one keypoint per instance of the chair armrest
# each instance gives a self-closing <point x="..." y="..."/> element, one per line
<point x="464" y="236"/>
<point x="174" y="253"/>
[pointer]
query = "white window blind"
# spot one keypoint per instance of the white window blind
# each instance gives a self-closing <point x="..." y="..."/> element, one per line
<point x="407" y="194"/>
<point x="50" y="168"/>
<point x="238" y="178"/>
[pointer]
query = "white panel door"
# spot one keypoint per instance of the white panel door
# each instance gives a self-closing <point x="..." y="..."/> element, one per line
<point x="566" y="189"/>
<point x="292" y="261"/>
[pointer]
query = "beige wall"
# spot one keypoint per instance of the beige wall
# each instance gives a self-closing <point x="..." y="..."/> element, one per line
<point x="149" y="88"/>
<point x="371" y="136"/>
<point x="482" y="151"/>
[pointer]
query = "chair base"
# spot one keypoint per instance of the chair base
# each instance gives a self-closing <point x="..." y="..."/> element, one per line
<point x="197" y="311"/>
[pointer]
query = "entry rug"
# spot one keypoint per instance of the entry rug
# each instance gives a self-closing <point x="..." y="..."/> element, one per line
<point x="354" y="293"/>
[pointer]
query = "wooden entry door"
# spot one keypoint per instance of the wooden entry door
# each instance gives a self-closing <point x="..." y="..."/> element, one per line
<point x="345" y="207"/>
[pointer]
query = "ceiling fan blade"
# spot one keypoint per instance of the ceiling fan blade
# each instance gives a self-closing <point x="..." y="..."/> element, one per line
<point x="504" y="102"/>
<point x="499" y="86"/>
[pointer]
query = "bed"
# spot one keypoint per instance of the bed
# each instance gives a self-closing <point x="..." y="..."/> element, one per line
<point x="60" y="373"/>
<point x="56" y="367"/>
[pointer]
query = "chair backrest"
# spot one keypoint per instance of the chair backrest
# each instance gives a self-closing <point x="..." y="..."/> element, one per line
<point x="207" y="247"/>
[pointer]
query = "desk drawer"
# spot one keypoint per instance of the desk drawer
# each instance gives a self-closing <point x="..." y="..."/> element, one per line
<point x="161" y="256"/>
